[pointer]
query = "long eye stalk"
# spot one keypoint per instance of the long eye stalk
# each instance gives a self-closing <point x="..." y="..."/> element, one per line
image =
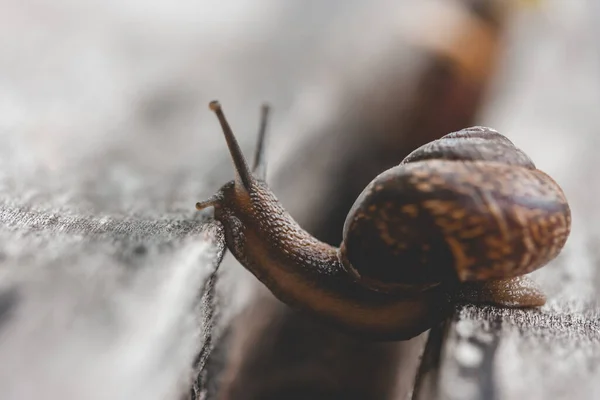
<point x="260" y="156"/>
<point x="242" y="171"/>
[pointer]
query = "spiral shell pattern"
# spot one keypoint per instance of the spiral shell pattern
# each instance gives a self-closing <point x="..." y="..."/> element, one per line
<point x="467" y="207"/>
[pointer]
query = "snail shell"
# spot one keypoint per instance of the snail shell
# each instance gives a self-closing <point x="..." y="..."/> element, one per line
<point x="467" y="207"/>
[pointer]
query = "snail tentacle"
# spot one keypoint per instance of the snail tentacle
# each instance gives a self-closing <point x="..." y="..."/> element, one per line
<point x="242" y="172"/>
<point x="259" y="167"/>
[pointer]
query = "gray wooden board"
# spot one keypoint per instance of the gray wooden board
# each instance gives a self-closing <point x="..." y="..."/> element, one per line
<point x="105" y="144"/>
<point x="491" y="353"/>
<point x="119" y="306"/>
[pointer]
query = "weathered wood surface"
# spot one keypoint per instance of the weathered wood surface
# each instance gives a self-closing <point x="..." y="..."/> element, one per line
<point x="106" y="144"/>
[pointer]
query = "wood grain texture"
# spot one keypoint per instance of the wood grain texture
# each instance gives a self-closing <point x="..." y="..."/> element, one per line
<point x="80" y="308"/>
<point x="105" y="145"/>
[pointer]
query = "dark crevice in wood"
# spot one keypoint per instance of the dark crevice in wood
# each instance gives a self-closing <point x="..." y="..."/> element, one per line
<point x="426" y="380"/>
<point x="202" y="356"/>
<point x="212" y="374"/>
<point x="209" y="307"/>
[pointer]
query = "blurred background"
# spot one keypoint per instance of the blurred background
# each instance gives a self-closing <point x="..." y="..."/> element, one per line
<point x="103" y="115"/>
<point x="135" y="77"/>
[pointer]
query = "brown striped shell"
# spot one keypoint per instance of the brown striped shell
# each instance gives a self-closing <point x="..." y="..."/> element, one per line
<point x="467" y="207"/>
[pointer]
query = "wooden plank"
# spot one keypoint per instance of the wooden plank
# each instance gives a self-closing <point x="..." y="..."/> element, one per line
<point x="102" y="258"/>
<point x="80" y="308"/>
<point x="490" y="353"/>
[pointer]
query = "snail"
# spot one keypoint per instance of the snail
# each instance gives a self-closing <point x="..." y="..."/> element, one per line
<point x="465" y="215"/>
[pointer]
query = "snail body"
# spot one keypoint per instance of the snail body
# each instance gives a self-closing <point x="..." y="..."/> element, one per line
<point x="469" y="207"/>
